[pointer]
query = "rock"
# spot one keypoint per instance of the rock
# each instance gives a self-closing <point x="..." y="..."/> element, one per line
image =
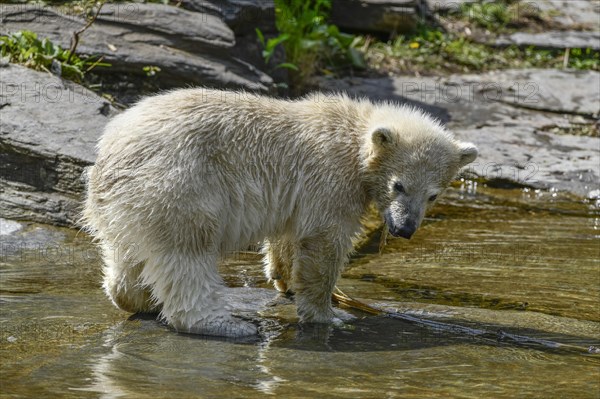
<point x="569" y="14"/>
<point x="8" y="227"/>
<point x="560" y="91"/>
<point x="188" y="47"/>
<point x="48" y="132"/>
<point x="446" y="6"/>
<point x="242" y="16"/>
<point x="553" y="40"/>
<point x="510" y="115"/>
<point x="376" y="16"/>
<point x="575" y="25"/>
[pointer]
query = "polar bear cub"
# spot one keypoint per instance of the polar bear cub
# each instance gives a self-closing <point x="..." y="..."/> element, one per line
<point x="184" y="178"/>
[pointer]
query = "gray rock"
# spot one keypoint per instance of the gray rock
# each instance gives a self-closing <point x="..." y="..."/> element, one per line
<point x="188" y="47"/>
<point x="570" y="14"/>
<point x="446" y="6"/>
<point x="553" y="39"/>
<point x="48" y="132"/>
<point x="576" y="23"/>
<point x="377" y="16"/>
<point x="242" y="16"/>
<point x="558" y="91"/>
<point x="510" y="115"/>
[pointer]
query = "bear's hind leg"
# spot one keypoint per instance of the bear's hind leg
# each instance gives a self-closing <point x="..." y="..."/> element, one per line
<point x="279" y="257"/>
<point x="123" y="286"/>
<point x="191" y="292"/>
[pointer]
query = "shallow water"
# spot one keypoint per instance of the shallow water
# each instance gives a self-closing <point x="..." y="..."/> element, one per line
<point x="521" y="262"/>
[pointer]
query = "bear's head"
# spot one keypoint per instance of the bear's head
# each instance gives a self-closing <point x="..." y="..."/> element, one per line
<point x="410" y="159"/>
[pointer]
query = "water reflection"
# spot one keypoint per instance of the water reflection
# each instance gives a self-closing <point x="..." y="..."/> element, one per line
<point x="374" y="355"/>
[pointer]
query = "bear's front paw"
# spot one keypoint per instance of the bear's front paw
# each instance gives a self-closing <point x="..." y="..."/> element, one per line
<point x="230" y="327"/>
<point x="315" y="315"/>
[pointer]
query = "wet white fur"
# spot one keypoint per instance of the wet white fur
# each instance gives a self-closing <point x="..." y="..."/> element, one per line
<point x="185" y="178"/>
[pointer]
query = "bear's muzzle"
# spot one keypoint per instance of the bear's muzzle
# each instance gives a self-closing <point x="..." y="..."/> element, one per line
<point x="405" y="231"/>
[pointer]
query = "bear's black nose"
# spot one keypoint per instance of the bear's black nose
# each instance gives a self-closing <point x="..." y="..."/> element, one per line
<point x="404" y="231"/>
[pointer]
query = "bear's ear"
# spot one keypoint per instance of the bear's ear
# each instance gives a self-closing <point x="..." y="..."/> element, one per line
<point x="381" y="137"/>
<point x="468" y="152"/>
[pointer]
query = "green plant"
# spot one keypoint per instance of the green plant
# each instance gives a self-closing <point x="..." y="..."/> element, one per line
<point x="310" y="43"/>
<point x="269" y="47"/>
<point x="25" y="48"/>
<point x="584" y="59"/>
<point x="430" y="50"/>
<point x="493" y="15"/>
<point x="151" y="70"/>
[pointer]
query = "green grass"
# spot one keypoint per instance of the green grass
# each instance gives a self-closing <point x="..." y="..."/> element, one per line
<point x="501" y="16"/>
<point x="433" y="52"/>
<point x="313" y="46"/>
<point x="26" y="49"/>
<point x="492" y="16"/>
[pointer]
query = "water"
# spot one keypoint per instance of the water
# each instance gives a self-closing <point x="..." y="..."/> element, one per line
<point x="520" y="262"/>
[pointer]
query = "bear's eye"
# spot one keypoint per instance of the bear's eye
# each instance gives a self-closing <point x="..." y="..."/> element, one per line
<point x="432" y="198"/>
<point x="398" y="187"/>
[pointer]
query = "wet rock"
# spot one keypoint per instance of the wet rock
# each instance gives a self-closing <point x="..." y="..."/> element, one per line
<point x="48" y="134"/>
<point x="377" y="16"/>
<point x="510" y="115"/>
<point x="553" y="40"/>
<point x="8" y="227"/>
<point x="594" y="194"/>
<point x="188" y="47"/>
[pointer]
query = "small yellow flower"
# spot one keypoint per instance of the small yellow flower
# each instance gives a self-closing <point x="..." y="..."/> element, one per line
<point x="414" y="45"/>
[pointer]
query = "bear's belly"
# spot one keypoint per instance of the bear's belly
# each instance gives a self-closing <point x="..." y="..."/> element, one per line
<point x="252" y="216"/>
